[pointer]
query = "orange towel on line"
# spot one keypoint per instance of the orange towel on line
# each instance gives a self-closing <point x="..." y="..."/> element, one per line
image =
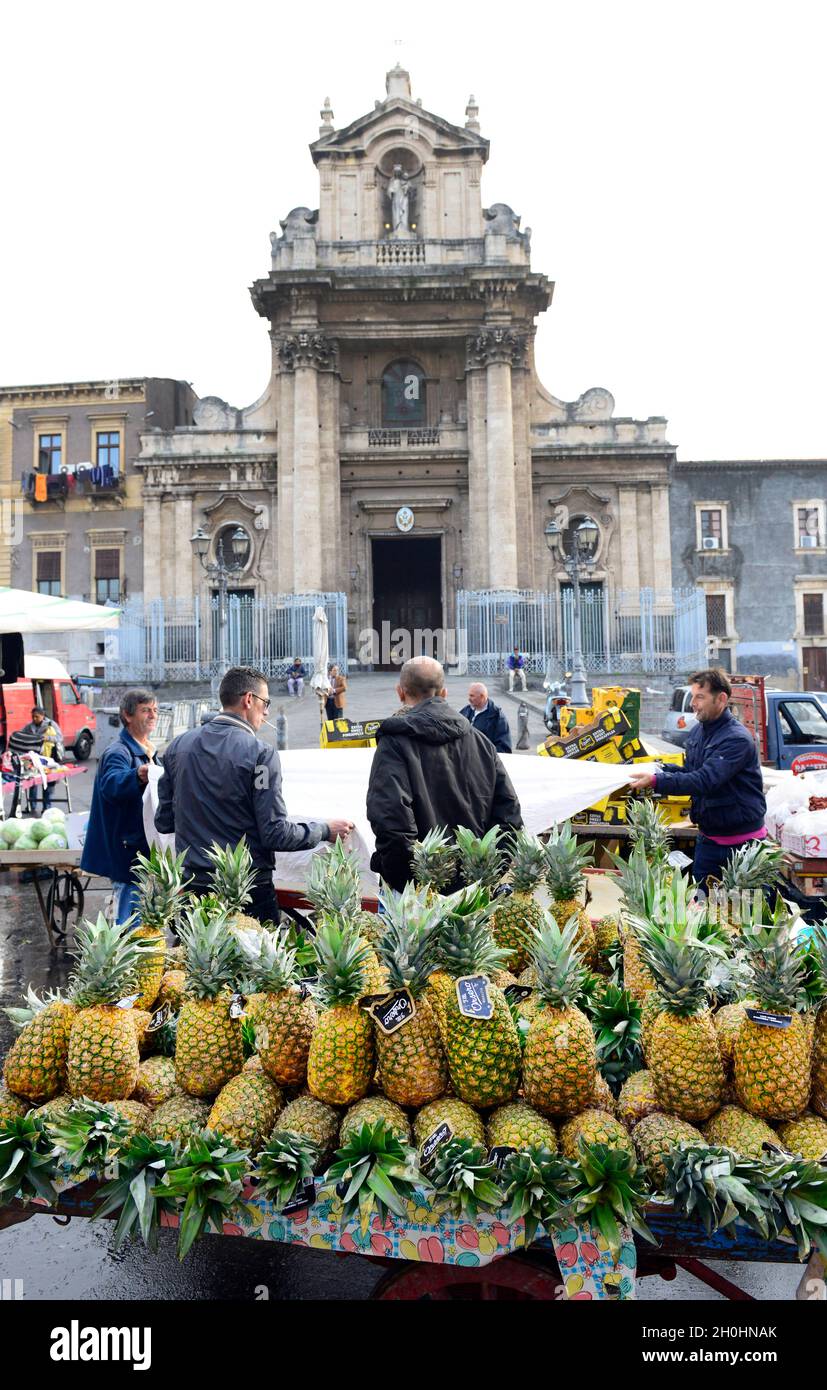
<point x="40" y="493"/>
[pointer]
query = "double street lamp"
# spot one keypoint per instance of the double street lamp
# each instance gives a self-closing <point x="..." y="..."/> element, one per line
<point x="578" y="559"/>
<point x="221" y="570"/>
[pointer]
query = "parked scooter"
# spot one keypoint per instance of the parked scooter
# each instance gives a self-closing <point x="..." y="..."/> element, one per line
<point x="556" y="699"/>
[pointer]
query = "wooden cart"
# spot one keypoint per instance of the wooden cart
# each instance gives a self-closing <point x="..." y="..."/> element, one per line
<point x="61" y="896"/>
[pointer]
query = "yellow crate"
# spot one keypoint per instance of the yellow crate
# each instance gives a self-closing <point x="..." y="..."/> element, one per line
<point x="348" y="733"/>
<point x="587" y="741"/>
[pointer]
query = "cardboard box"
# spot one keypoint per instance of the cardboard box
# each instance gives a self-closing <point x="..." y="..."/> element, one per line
<point x="604" y="698"/>
<point x="590" y="740"/>
<point x="349" y="733"/>
<point x="807" y="846"/>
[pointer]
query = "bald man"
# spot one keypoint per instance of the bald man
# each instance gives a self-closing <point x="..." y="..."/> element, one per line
<point x="431" y="768"/>
<point x="487" y="717"/>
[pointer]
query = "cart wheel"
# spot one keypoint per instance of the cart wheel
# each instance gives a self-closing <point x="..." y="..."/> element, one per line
<point x="510" y="1278"/>
<point x="65" y="896"/>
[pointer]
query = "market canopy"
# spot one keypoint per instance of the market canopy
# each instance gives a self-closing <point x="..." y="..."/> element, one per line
<point x="24" y="612"/>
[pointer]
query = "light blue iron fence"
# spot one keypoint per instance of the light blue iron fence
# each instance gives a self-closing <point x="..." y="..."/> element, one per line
<point x="172" y="640"/>
<point x="652" y="631"/>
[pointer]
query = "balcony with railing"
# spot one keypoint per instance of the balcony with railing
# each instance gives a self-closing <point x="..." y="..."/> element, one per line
<point x="358" y="440"/>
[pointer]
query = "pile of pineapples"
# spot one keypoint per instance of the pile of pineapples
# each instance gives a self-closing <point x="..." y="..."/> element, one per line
<point x="271" y="1042"/>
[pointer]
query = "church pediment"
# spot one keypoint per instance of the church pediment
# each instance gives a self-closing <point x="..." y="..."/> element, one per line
<point x="398" y="117"/>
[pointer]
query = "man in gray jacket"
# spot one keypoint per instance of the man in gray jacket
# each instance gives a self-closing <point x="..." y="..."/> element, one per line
<point x="221" y="781"/>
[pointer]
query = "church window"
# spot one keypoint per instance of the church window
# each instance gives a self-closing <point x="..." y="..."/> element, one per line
<point x="403" y="394"/>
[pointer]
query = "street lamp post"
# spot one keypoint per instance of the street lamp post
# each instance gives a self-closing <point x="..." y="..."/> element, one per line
<point x="221" y="571"/>
<point x="578" y="561"/>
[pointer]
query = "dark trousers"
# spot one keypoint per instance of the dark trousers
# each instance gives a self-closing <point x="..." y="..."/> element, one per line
<point x="264" y="906"/>
<point x="330" y="710"/>
<point x="710" y="859"/>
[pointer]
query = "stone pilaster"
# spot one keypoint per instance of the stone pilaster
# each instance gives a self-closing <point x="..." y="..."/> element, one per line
<point x="498" y="349"/>
<point x="628" y="528"/>
<point x="152" y="547"/>
<point x="476" y="549"/>
<point x="333" y="557"/>
<point x="661" y="538"/>
<point x="183" y="549"/>
<point x="284" y="532"/>
<point x="303" y="355"/>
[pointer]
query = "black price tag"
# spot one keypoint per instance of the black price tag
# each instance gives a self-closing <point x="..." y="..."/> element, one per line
<point x="515" y="994"/>
<point x="305" y="1198"/>
<point x="499" y="1154"/>
<point x="391" y="1012"/>
<point x="236" y="1006"/>
<point x="159" y="1018"/>
<point x="503" y="890"/>
<point x="473" y="997"/>
<point x="306" y="986"/>
<point x="768" y="1020"/>
<point x="432" y="1143"/>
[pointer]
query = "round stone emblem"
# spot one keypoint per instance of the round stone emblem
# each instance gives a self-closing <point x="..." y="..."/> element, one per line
<point x="404" y="519"/>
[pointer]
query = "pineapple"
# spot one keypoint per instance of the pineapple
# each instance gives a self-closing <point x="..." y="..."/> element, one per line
<point x="606" y="939"/>
<point x="246" y="1109"/>
<point x="311" y="1119"/>
<point x="233" y="877"/>
<point x="160" y="880"/>
<point x="818" y="1099"/>
<point x="171" y="990"/>
<point x="683" y="1053"/>
<point x="438" y="991"/>
<point x="566" y="859"/>
<point x="806" y="1136"/>
<point x="35" y="1066"/>
<point x="208" y="1046"/>
<point x="594" y="1127"/>
<point x="648" y="828"/>
<point x="638" y="1098"/>
<point x="335" y="890"/>
<point x="464" y="1122"/>
<point x="137" y="1115"/>
<point x="655" y="1136"/>
<point x="560" y="1063"/>
<point x="481" y="858"/>
<point x="156" y="1081"/>
<point x="103" y="1057"/>
<point x="412" y="1063"/>
<point x="483" y="1054"/>
<point x="637" y="978"/>
<point x="11" y="1106"/>
<point x="753" y="869"/>
<point x="772" y="1065"/>
<point x="519" y="1126"/>
<point x="602" y="1096"/>
<point x="651" y="1008"/>
<point x="179" y="1118"/>
<point x="141" y="1019"/>
<point x="434" y="861"/>
<point x="284" y="1019"/>
<point x="369" y="1112"/>
<point x="734" y="1128"/>
<point x="518" y="914"/>
<point x="728" y="1021"/>
<point x="341" y="1059"/>
<point x="54" y="1109"/>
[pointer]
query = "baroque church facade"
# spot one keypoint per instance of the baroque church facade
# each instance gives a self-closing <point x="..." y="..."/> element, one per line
<point x="404" y="448"/>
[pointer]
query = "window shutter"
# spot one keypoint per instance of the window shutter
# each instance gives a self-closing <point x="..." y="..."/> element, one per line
<point x="107" y="564"/>
<point x="48" y="566"/>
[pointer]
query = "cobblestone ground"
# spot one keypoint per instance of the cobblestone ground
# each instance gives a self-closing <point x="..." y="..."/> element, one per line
<point x="75" y="1262"/>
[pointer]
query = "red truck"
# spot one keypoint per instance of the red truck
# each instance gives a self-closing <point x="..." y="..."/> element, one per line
<point x="48" y="683"/>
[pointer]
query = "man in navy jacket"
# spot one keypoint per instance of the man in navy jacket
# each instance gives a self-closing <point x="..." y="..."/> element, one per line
<point x="722" y="775"/>
<point x="487" y="717"/>
<point x="115" y="833"/>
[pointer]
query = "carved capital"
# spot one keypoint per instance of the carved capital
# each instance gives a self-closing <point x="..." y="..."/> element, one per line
<point x="496" y="345"/>
<point x="308" y="350"/>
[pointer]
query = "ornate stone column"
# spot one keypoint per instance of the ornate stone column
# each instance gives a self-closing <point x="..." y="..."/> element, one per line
<point x="476" y="549"/>
<point x="498" y="349"/>
<point x="152" y="545"/>
<point x="303" y="355"/>
<point x="183" y="549"/>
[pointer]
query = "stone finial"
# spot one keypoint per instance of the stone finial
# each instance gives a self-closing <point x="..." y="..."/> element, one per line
<point x="326" y="114"/>
<point x="398" y="82"/>
<point x="472" y="112"/>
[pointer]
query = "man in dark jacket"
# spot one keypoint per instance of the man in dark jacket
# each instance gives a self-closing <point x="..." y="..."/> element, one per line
<point x="487" y="717"/>
<point x="721" y="773"/>
<point x="221" y="781"/>
<point x="115" y="831"/>
<point x="431" y="768"/>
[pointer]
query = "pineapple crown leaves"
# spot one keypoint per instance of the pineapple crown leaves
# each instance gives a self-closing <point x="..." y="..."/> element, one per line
<point x="434" y="859"/>
<point x="776" y="967"/>
<point x="559" y="965"/>
<point x="635" y="875"/>
<point x="204" y="1181"/>
<point x="233" y="874"/>
<point x="27" y="1161"/>
<point x="410" y="942"/>
<point x="465" y="1180"/>
<point x="467" y="945"/>
<point x="333" y="883"/>
<point x="134" y="1193"/>
<point x="756" y="865"/>
<point x="799" y="1202"/>
<point x="108" y="956"/>
<point x="536" y="1184"/>
<point x="266" y="962"/>
<point x="648" y="827"/>
<point x="611" y="1191"/>
<point x="285" y="1164"/>
<point x="342" y="956"/>
<point x="160" y="877"/>
<point x="528" y="861"/>
<point x="210" y="952"/>
<point x="616" y="1020"/>
<point x="35" y="1004"/>
<point x="681" y="964"/>
<point x="715" y="1184"/>
<point x="89" y="1134"/>
<point x="566" y="858"/>
<point x="482" y="859"/>
<point x="378" y="1171"/>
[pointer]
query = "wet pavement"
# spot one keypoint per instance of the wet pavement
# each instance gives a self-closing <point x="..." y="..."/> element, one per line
<point x="74" y="1261"/>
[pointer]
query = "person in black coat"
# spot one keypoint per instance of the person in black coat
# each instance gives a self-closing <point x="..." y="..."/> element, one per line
<point x="487" y="717"/>
<point x="722" y="775"/>
<point x="431" y="768"/>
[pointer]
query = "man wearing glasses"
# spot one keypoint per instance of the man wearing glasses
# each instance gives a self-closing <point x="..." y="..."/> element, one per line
<point x="221" y="781"/>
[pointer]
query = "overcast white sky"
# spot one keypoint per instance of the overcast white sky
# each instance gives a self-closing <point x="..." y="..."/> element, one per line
<point x="669" y="157"/>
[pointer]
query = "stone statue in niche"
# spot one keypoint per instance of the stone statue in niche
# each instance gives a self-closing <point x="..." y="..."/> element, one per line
<point x="399" y="194"/>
